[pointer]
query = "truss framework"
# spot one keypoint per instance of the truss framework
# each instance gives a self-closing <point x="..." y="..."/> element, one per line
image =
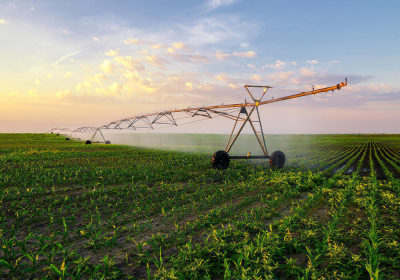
<point x="240" y="112"/>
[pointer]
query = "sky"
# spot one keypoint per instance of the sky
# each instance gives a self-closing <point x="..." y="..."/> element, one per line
<point x="87" y="63"/>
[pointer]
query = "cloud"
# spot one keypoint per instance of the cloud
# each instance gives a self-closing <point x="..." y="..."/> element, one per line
<point x="69" y="55"/>
<point x="333" y="62"/>
<point x="130" y="63"/>
<point x="107" y="66"/>
<point x="135" y="41"/>
<point x="113" y="90"/>
<point x="2" y="21"/>
<point x="189" y="58"/>
<point x="145" y="52"/>
<point x="171" y="50"/>
<point x="95" y="38"/>
<point x="66" y="32"/>
<point x="312" y="61"/>
<point x="249" y="54"/>
<point x="251" y="66"/>
<point x="68" y="74"/>
<point x="305" y="72"/>
<point x="156" y="60"/>
<point x="213" y="4"/>
<point x="98" y="78"/>
<point x="180" y="46"/>
<point x="158" y="46"/>
<point x="256" y="78"/>
<point x="279" y="65"/>
<point x="294" y="63"/>
<point x="49" y="76"/>
<point x="282" y="76"/>
<point x="112" y="53"/>
<point x="217" y="29"/>
<point x="189" y="86"/>
<point x="222" y="56"/>
<point x="38" y="82"/>
<point x="223" y="77"/>
<point x="63" y="94"/>
<point x="32" y="8"/>
<point x="32" y="93"/>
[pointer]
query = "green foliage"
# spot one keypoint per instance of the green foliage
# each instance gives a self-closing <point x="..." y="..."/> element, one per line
<point x="75" y="211"/>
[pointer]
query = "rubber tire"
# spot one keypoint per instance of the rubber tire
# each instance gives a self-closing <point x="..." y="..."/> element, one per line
<point x="277" y="159"/>
<point x="108" y="142"/>
<point x="66" y="138"/>
<point x="220" y="160"/>
<point x="88" y="142"/>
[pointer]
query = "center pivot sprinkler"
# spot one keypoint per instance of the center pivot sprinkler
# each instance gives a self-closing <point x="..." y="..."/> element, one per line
<point x="241" y="113"/>
<point x="221" y="159"/>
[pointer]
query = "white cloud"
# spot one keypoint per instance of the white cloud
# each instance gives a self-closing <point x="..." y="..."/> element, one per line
<point x="156" y="60"/>
<point x="95" y="38"/>
<point x="130" y="63"/>
<point x="49" y="76"/>
<point x="251" y="66"/>
<point x="68" y="74"/>
<point x="32" y="93"/>
<point x="32" y="8"/>
<point x="158" y="46"/>
<point x="281" y="76"/>
<point x="189" y="86"/>
<point x="115" y="89"/>
<point x="305" y="72"/>
<point x="249" y="54"/>
<point x="112" y="53"/>
<point x="69" y="55"/>
<point x="278" y="65"/>
<point x="213" y="4"/>
<point x="180" y="46"/>
<point x="107" y="66"/>
<point x="223" y="77"/>
<point x="38" y="82"/>
<point x="222" y="56"/>
<point x="145" y="52"/>
<point x="294" y="63"/>
<point x="171" y="50"/>
<point x="66" y="32"/>
<point x="256" y="78"/>
<point x="190" y="58"/>
<point x="134" y="41"/>
<point x="312" y="61"/>
<point x="2" y="21"/>
<point x="333" y="62"/>
<point x="63" y="94"/>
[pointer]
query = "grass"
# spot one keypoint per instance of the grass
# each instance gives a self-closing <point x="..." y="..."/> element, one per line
<point x="75" y="211"/>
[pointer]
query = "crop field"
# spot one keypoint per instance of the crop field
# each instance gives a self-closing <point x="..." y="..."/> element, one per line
<point x="75" y="211"/>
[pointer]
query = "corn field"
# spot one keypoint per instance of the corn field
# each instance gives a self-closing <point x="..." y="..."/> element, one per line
<point x="75" y="211"/>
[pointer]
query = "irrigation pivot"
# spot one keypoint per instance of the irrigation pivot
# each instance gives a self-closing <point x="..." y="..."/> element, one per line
<point x="241" y="113"/>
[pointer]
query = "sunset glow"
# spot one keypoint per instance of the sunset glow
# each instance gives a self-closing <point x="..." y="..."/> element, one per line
<point x="77" y="63"/>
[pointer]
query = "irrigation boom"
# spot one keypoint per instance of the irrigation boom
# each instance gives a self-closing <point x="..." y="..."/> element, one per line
<point x="245" y="110"/>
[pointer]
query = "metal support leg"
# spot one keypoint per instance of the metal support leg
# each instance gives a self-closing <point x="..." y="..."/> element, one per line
<point x="230" y="137"/>
<point x="240" y="130"/>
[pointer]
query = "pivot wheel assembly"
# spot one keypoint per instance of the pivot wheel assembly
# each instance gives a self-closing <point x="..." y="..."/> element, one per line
<point x="220" y="160"/>
<point x="277" y="159"/>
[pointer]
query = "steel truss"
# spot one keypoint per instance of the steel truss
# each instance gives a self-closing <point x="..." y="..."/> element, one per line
<point x="244" y="113"/>
<point x="83" y="129"/>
